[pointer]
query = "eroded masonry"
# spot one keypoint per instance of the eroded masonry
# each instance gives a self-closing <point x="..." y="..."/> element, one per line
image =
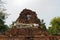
<point x="27" y="27"/>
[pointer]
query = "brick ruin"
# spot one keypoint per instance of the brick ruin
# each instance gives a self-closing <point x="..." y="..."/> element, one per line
<point x="27" y="27"/>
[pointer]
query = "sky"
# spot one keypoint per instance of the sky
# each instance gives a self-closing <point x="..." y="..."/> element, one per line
<point x="45" y="9"/>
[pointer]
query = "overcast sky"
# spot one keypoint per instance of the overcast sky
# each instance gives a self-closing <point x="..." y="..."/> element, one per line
<point x="45" y="9"/>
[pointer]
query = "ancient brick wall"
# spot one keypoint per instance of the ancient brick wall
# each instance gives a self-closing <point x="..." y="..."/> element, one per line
<point x="31" y="38"/>
<point x="28" y="34"/>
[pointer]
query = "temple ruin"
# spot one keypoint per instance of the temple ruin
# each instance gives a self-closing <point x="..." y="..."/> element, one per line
<point x="27" y="27"/>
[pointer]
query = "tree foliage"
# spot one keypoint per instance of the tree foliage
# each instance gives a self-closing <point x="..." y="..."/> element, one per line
<point x="54" y="29"/>
<point x="3" y="27"/>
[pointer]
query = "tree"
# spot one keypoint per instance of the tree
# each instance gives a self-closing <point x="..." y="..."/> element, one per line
<point x="54" y="29"/>
<point x="3" y="27"/>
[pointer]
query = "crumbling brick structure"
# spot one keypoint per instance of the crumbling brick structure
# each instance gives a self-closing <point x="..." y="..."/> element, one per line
<point x="27" y="27"/>
<point x="28" y="16"/>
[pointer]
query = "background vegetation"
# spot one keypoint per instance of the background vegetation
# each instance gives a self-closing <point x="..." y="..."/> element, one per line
<point x="54" y="28"/>
<point x="3" y="27"/>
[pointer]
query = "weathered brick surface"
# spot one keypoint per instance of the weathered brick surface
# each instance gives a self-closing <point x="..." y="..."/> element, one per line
<point x="24" y="19"/>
